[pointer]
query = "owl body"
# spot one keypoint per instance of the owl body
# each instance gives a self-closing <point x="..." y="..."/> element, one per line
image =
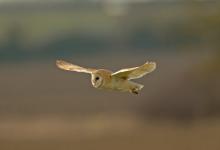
<point x="110" y="82"/>
<point x="118" y="81"/>
<point x="123" y="85"/>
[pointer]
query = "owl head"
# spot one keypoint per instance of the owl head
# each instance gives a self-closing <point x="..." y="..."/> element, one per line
<point x="100" y="77"/>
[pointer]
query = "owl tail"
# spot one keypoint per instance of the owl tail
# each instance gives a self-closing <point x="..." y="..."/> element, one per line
<point x="136" y="88"/>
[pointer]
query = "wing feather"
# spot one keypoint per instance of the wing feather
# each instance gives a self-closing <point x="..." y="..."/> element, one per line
<point x="136" y="72"/>
<point x="71" y="67"/>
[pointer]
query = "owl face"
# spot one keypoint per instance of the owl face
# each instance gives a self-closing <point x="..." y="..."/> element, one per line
<point x="100" y="78"/>
<point x="97" y="80"/>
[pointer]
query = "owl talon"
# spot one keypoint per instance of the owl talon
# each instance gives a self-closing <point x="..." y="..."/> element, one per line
<point x="135" y="91"/>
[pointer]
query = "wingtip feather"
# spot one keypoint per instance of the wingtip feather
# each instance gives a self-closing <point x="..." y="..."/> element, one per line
<point x="60" y="64"/>
<point x="152" y="65"/>
<point x="58" y="61"/>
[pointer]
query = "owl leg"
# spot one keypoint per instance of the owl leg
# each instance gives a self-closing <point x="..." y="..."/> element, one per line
<point x="135" y="91"/>
<point x="136" y="88"/>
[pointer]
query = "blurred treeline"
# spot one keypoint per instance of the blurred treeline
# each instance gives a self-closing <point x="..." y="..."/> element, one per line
<point x="41" y="31"/>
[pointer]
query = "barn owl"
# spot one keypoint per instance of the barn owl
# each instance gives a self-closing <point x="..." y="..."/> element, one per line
<point x="105" y="79"/>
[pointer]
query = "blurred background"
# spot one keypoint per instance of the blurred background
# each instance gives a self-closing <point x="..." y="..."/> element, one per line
<point x="42" y="107"/>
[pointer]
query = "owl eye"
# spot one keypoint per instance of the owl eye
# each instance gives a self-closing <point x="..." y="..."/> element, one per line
<point x="97" y="78"/>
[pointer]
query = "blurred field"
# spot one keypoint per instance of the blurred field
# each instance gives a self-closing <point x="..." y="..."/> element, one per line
<point x="109" y="134"/>
<point x="45" y="108"/>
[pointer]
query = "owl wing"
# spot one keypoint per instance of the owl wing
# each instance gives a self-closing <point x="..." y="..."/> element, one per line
<point x="71" y="67"/>
<point x="136" y="72"/>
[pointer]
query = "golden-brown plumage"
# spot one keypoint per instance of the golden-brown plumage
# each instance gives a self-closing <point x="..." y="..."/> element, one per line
<point x="105" y="79"/>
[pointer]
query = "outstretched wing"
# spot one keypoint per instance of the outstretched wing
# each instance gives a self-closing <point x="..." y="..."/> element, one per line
<point x="71" y="67"/>
<point x="136" y="72"/>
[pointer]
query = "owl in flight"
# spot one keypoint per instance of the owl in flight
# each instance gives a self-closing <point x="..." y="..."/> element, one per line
<point x="105" y="79"/>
